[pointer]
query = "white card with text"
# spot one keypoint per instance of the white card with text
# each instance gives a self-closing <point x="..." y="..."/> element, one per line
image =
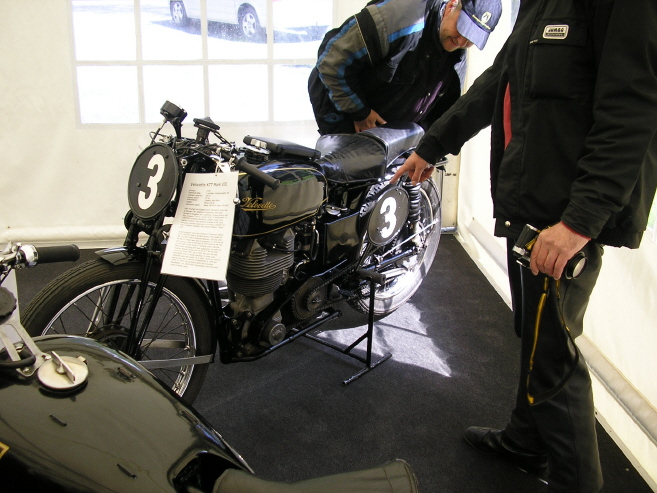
<point x="200" y="237"/>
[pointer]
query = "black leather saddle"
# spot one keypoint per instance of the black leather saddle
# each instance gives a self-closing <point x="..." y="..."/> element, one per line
<point x="353" y="158"/>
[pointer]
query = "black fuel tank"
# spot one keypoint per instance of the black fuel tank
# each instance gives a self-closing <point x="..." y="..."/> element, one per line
<point x="263" y="210"/>
<point x="121" y="431"/>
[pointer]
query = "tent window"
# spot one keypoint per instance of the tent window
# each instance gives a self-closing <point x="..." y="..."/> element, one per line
<point x="234" y="61"/>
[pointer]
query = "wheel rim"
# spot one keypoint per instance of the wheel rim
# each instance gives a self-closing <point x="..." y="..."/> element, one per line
<point x="177" y="12"/>
<point x="410" y="265"/>
<point x="425" y="237"/>
<point x="249" y="24"/>
<point x="104" y="312"/>
<point x="406" y="271"/>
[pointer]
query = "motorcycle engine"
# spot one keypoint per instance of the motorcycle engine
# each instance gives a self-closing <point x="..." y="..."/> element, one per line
<point x="259" y="267"/>
<point x="256" y="269"/>
<point x="273" y="236"/>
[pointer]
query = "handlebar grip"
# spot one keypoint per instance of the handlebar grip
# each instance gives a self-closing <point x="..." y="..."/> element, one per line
<point x="255" y="172"/>
<point x="63" y="253"/>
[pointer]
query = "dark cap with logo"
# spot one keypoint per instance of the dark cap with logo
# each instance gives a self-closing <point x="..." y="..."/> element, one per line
<point x="477" y="20"/>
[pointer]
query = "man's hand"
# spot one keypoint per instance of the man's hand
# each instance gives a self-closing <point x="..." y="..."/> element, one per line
<point x="417" y="168"/>
<point x="370" y="122"/>
<point x="553" y="249"/>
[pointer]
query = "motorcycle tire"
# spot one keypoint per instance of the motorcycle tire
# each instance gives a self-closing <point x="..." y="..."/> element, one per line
<point x="400" y="287"/>
<point x="78" y="303"/>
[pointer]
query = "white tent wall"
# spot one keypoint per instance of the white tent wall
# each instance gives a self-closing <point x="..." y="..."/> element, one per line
<point x="62" y="181"/>
<point x="66" y="182"/>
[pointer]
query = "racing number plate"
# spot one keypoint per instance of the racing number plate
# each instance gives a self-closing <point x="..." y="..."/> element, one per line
<point x="153" y="181"/>
<point x="388" y="216"/>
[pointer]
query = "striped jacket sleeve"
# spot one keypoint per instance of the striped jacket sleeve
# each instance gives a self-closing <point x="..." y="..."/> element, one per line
<point x="363" y="41"/>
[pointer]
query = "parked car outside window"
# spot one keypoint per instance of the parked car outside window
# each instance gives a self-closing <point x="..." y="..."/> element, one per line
<point x="301" y="17"/>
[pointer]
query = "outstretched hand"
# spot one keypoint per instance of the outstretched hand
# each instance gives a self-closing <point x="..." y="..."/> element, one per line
<point x="417" y="168"/>
<point x="554" y="247"/>
<point x="372" y="120"/>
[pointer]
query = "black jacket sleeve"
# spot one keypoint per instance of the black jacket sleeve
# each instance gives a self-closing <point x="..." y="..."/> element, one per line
<point x="619" y="168"/>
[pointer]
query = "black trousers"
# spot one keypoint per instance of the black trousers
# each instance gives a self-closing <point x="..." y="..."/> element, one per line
<point x="554" y="410"/>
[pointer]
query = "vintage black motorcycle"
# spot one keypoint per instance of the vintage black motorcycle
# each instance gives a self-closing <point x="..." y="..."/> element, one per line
<point x="61" y="429"/>
<point x="311" y="228"/>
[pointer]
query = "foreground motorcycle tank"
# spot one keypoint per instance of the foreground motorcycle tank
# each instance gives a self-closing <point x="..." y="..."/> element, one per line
<point x="119" y="431"/>
<point x="263" y="210"/>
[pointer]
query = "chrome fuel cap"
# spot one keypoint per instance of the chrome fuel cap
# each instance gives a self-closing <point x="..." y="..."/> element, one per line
<point x="63" y="372"/>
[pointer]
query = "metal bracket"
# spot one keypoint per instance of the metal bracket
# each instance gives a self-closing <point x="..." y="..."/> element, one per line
<point x="374" y="279"/>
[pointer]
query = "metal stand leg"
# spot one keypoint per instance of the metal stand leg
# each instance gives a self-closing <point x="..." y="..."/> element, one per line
<point x="374" y="278"/>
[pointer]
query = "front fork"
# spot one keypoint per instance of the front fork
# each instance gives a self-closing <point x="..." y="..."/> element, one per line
<point x="137" y="332"/>
<point x="143" y="305"/>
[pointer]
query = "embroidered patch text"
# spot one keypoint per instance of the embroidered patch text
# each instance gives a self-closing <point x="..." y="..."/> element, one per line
<point x="555" y="31"/>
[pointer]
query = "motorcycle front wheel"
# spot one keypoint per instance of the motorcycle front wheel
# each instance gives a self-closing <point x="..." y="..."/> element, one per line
<point x="405" y="276"/>
<point x="97" y="299"/>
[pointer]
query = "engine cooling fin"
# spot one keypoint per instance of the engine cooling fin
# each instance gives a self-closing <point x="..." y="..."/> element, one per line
<point x="259" y="272"/>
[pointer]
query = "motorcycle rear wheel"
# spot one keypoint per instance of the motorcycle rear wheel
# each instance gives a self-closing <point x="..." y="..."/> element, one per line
<point x="405" y="276"/>
<point x="96" y="299"/>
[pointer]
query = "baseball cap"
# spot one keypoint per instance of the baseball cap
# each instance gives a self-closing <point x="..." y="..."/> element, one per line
<point x="477" y="20"/>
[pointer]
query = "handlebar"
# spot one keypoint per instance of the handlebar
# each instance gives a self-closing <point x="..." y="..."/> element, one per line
<point x="63" y="253"/>
<point x="16" y="256"/>
<point x="20" y="256"/>
<point x="251" y="170"/>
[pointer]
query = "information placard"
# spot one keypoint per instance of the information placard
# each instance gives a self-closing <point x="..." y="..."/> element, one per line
<point x="200" y="237"/>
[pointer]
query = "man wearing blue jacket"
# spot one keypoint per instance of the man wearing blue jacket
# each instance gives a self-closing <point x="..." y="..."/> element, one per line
<point x="572" y="103"/>
<point x="396" y="60"/>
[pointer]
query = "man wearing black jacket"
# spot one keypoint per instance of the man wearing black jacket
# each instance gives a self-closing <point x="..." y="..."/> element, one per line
<point x="572" y="100"/>
<point x="396" y="60"/>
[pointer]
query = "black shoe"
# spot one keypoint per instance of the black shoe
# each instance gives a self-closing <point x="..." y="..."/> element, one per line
<point x="491" y="441"/>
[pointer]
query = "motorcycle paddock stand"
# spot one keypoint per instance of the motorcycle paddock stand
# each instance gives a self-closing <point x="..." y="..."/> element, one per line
<point x="374" y="279"/>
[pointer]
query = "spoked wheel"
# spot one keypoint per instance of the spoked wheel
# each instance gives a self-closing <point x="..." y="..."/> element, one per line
<point x="404" y="277"/>
<point x="97" y="300"/>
